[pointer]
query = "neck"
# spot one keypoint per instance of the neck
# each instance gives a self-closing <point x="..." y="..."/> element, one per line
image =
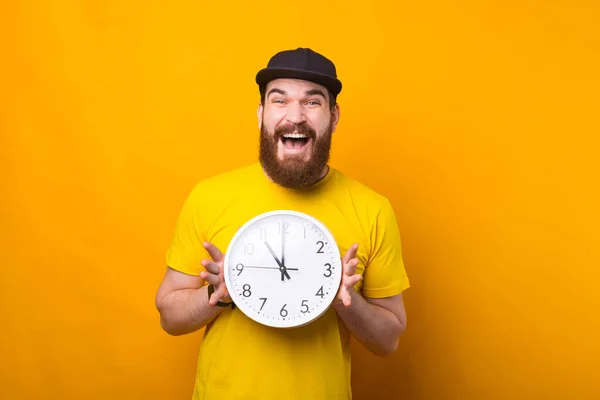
<point x="323" y="174"/>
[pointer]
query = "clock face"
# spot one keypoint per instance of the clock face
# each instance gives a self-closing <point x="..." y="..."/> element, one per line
<point x="283" y="269"/>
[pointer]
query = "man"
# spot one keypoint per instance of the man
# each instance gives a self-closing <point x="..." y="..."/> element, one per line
<point x="242" y="359"/>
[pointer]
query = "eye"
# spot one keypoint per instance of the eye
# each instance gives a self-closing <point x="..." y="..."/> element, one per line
<point x="314" y="103"/>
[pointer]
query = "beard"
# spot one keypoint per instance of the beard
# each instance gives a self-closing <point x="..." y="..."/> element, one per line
<point x="293" y="172"/>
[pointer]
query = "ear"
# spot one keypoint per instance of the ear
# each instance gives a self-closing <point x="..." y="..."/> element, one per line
<point x="259" y="114"/>
<point x="335" y="117"/>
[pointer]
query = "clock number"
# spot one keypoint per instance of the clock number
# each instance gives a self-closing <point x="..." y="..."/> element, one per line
<point x="246" y="292"/>
<point x="264" y="300"/>
<point x="263" y="234"/>
<point x="248" y="249"/>
<point x="283" y="312"/>
<point x="285" y="226"/>
<point x="303" y="309"/>
<point x="304" y="231"/>
<point x="320" y="292"/>
<point x="320" y="248"/>
<point x="328" y="270"/>
<point x="239" y="268"/>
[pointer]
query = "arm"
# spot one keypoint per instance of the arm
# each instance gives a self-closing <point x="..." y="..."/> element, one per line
<point x="376" y="323"/>
<point x="182" y="302"/>
<point x="182" y="299"/>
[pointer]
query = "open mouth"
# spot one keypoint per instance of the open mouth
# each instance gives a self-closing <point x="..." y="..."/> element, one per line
<point x="295" y="141"/>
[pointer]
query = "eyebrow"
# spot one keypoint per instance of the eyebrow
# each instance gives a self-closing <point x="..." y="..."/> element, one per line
<point x="310" y="92"/>
<point x="275" y="90"/>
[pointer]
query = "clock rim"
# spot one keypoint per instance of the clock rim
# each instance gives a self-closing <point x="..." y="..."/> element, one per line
<point x="271" y="213"/>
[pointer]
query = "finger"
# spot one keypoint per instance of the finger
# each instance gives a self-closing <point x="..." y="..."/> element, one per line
<point x="223" y="292"/>
<point x="353" y="280"/>
<point x="351" y="267"/>
<point x="351" y="253"/>
<point x="210" y="278"/>
<point x="213" y="251"/>
<point x="211" y="266"/>
<point x="218" y="295"/>
<point x="214" y="299"/>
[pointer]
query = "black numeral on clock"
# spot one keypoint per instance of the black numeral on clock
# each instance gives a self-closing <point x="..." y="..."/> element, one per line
<point x="320" y="292"/>
<point x="283" y="312"/>
<point x="304" y="308"/>
<point x="264" y="300"/>
<point x="320" y="248"/>
<point x="246" y="292"/>
<point x="328" y="270"/>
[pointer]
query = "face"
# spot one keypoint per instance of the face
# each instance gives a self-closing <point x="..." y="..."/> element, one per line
<point x="296" y="123"/>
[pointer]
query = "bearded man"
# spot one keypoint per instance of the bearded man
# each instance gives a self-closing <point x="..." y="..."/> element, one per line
<point x="241" y="358"/>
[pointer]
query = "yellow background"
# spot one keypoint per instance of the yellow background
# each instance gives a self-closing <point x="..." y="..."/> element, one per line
<point x="478" y="119"/>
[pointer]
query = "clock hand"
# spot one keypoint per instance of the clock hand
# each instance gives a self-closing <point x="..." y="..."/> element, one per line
<point x="281" y="266"/>
<point x="284" y="270"/>
<point x="273" y="254"/>
<point x="283" y="244"/>
<point x="255" y="266"/>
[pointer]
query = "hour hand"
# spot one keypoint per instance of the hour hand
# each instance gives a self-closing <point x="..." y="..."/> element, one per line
<point x="282" y="268"/>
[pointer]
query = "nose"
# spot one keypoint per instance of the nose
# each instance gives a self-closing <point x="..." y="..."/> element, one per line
<point x="295" y="113"/>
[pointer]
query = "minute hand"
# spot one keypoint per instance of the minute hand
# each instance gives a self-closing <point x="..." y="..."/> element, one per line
<point x="281" y="266"/>
<point x="260" y="266"/>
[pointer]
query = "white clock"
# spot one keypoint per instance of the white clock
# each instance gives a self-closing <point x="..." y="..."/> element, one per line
<point x="283" y="268"/>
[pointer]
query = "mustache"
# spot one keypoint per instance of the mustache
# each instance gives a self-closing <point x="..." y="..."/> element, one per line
<point x="302" y="128"/>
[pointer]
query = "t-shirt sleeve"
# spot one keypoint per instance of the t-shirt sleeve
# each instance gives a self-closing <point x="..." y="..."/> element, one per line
<point x="186" y="250"/>
<point x="384" y="273"/>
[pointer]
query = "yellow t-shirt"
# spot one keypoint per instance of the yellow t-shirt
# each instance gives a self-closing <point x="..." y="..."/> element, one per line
<point x="241" y="359"/>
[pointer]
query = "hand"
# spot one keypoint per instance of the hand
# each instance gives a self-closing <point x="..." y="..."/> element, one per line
<point x="214" y="274"/>
<point x="349" y="276"/>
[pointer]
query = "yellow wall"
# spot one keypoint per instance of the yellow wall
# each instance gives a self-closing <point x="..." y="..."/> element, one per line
<point x="479" y="120"/>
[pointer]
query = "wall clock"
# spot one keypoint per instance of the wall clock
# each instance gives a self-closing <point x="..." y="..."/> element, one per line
<point x="283" y="268"/>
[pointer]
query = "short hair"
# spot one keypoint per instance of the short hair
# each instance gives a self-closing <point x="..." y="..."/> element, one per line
<point x="262" y="88"/>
